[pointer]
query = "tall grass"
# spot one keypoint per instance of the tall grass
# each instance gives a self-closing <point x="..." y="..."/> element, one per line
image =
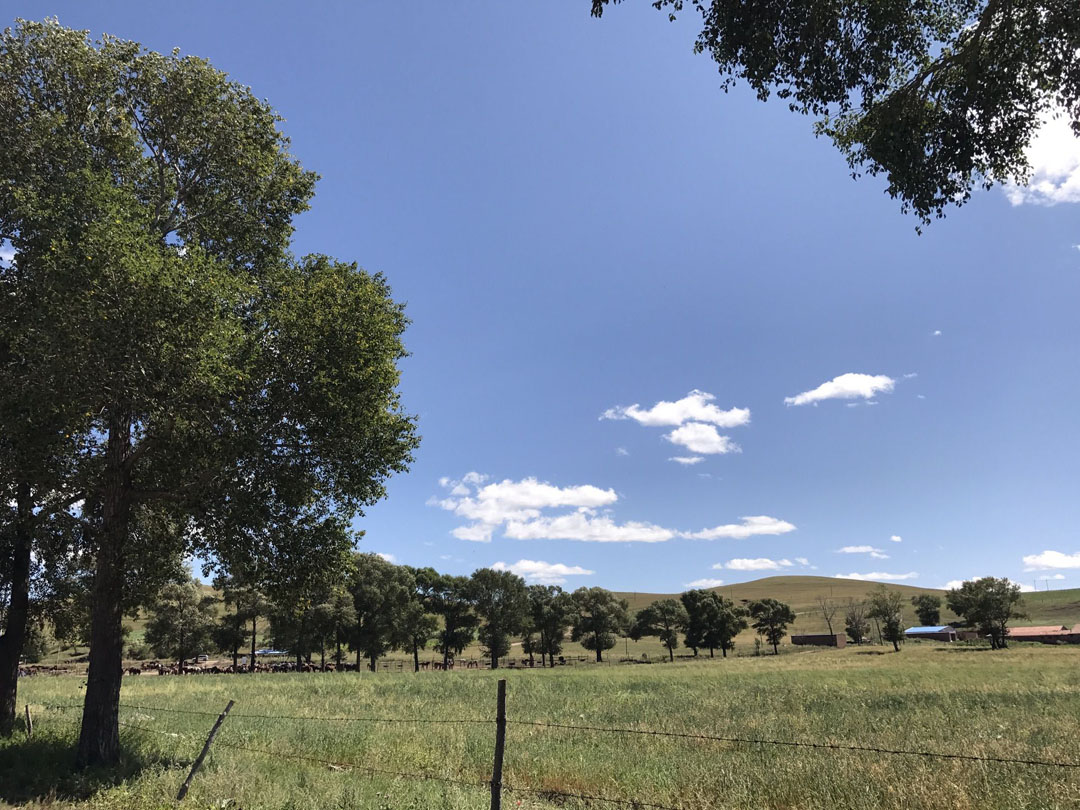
<point x="1021" y="703"/>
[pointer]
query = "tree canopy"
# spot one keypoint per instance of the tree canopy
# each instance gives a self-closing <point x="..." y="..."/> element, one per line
<point x="664" y="618"/>
<point x="989" y="604"/>
<point x="939" y="96"/>
<point x="771" y="619"/>
<point x="600" y="617"/>
<point x="154" y="311"/>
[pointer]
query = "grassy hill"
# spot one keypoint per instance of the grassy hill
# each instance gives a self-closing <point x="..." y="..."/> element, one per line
<point x="802" y="593"/>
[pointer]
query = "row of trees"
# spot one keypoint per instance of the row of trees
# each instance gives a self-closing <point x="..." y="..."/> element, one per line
<point x="988" y="605"/>
<point x="374" y="607"/>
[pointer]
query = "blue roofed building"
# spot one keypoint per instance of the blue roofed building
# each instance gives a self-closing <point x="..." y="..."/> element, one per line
<point x="943" y="632"/>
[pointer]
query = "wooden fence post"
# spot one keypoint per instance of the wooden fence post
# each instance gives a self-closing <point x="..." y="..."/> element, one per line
<point x="500" y="746"/>
<point x="202" y="755"/>
<point x="29" y="723"/>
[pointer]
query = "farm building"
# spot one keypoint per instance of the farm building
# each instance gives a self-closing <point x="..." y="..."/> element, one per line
<point x="820" y="639"/>
<point x="938" y="633"/>
<point x="1047" y="634"/>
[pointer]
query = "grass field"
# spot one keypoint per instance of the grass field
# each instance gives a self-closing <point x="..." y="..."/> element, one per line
<point x="1020" y="703"/>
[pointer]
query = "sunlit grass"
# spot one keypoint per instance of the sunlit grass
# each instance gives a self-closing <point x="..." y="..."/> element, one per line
<point x="1021" y="703"/>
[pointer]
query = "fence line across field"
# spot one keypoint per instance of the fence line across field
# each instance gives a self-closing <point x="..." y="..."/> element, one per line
<point x="500" y="723"/>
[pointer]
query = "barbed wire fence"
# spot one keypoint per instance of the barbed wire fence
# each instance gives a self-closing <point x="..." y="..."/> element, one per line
<point x="499" y="724"/>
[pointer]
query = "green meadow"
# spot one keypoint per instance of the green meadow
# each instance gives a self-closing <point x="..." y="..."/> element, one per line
<point x="1021" y="703"/>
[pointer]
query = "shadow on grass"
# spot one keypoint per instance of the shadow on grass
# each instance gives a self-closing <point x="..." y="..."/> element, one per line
<point x="43" y="770"/>
<point x="958" y="649"/>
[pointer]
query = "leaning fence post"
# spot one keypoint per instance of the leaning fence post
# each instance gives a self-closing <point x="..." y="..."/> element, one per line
<point x="202" y="755"/>
<point x="500" y="746"/>
<point x="29" y="723"/>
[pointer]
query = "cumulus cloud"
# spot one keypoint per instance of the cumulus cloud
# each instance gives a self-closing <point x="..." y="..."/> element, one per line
<point x="952" y="585"/>
<point x="490" y="505"/>
<point x="1056" y="576"/>
<point x="687" y="460"/>
<point x="936" y="333"/>
<point x="802" y="561"/>
<point x="751" y="526"/>
<point x="1054" y="157"/>
<point x="876" y="576"/>
<point x="390" y="558"/>
<point x="846" y="386"/>
<point x="876" y="553"/>
<point x="542" y="573"/>
<point x="1051" y="559"/>
<point x="701" y="438"/>
<point x="706" y="582"/>
<point x="755" y="564"/>
<point x="533" y="510"/>
<point x="897" y="538"/>
<point x="694" y="407"/>
<point x="621" y="451"/>
<point x="585" y="527"/>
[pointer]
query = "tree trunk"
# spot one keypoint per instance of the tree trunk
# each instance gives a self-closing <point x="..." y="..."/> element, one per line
<point x="99" y="736"/>
<point x="254" y="628"/>
<point x="494" y="660"/>
<point x="415" y="656"/>
<point x="236" y="658"/>
<point x="371" y="662"/>
<point x="445" y="657"/>
<point x="18" y="612"/>
<point x="322" y="658"/>
<point x="895" y="645"/>
<point x="712" y="652"/>
<point x="599" y="655"/>
<point x="671" y="654"/>
<point x="337" y="653"/>
<point x="723" y="650"/>
<point x="776" y="648"/>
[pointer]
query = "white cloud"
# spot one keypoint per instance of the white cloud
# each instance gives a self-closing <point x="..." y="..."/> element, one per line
<point x="897" y="538"/>
<point x="621" y="451"/>
<point x="1054" y="157"/>
<point x="751" y="525"/>
<point x="876" y="553"/>
<point x="802" y="561"/>
<point x="490" y="505"/>
<point x="878" y="575"/>
<point x="701" y="438"/>
<point x="390" y="558"/>
<point x="1025" y="588"/>
<point x="522" y="509"/>
<point x="687" y="460"/>
<point x="911" y="375"/>
<point x="846" y="386"/>
<point x="694" y="407"/>
<point x="936" y="333"/>
<point x="1051" y="559"/>
<point x="1056" y="576"/>
<point x="755" y="564"/>
<point x="952" y="584"/>
<point x="543" y="573"/>
<point x="589" y="529"/>
<point x="706" y="582"/>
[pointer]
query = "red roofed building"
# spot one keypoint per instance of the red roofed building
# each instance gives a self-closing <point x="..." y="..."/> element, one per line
<point x="1046" y="634"/>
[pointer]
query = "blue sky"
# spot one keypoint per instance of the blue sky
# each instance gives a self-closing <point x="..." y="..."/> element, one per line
<point x="583" y="225"/>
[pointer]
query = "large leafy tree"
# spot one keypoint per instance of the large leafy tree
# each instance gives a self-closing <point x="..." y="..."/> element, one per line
<point x="600" y="617"/>
<point x="939" y="96"/>
<point x="419" y="624"/>
<point x="664" y="618"/>
<point x="712" y="621"/>
<point x="927" y="608"/>
<point x="887" y="607"/>
<point x="551" y="613"/>
<point x="382" y="596"/>
<point x="771" y="619"/>
<point x="450" y="599"/>
<point x="198" y="367"/>
<point x="182" y="621"/>
<point x="989" y="604"/>
<point x="502" y="603"/>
